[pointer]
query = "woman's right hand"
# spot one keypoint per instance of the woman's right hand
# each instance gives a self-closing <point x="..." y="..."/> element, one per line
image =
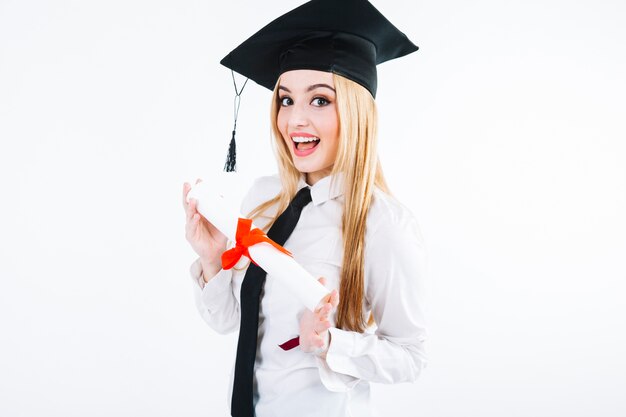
<point x="205" y="239"/>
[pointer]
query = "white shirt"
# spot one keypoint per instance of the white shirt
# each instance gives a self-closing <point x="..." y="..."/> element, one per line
<point x="290" y="383"/>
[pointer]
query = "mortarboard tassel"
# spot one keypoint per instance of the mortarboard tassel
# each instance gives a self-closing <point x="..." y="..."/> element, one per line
<point x="231" y="158"/>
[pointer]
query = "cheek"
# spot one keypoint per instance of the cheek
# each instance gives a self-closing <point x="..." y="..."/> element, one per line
<point x="280" y="117"/>
<point x="333" y="148"/>
<point x="281" y="122"/>
<point x="330" y="125"/>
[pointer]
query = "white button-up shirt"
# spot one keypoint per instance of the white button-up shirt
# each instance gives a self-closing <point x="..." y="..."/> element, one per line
<point x="294" y="383"/>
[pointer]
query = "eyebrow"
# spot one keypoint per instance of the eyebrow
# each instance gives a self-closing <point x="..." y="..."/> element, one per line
<point x="311" y="87"/>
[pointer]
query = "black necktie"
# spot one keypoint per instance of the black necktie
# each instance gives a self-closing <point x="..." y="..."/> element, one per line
<point x="242" y="402"/>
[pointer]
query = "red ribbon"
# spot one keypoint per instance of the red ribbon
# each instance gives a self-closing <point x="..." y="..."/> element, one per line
<point x="291" y="343"/>
<point x="245" y="238"/>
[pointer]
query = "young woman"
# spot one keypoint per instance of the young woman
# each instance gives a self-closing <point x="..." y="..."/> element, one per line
<point x="363" y="243"/>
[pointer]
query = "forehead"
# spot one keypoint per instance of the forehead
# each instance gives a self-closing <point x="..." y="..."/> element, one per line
<point x="303" y="78"/>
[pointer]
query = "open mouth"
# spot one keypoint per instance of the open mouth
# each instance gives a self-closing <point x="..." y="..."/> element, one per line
<point x="302" y="143"/>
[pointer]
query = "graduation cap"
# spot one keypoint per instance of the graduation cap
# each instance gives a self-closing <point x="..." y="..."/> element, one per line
<point x="346" y="37"/>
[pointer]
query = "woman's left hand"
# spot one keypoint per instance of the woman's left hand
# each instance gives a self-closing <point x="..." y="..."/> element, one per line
<point x="314" y="335"/>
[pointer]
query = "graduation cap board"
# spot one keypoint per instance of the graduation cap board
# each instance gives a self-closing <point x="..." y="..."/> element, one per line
<point x="345" y="37"/>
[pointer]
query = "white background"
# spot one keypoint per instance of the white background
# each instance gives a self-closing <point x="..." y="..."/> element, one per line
<point x="504" y="134"/>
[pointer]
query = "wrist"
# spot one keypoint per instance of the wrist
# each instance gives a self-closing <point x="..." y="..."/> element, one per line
<point x="322" y="351"/>
<point x="209" y="269"/>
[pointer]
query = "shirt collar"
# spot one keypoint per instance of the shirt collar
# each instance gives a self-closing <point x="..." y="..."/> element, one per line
<point x="328" y="188"/>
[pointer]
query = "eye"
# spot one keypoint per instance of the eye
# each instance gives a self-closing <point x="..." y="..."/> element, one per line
<point x="320" y="101"/>
<point x="286" y="101"/>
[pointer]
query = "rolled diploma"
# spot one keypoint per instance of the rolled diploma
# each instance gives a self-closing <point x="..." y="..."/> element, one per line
<point x="216" y="204"/>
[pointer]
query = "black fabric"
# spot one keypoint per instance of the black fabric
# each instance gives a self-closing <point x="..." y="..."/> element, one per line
<point x="347" y="37"/>
<point x="242" y="399"/>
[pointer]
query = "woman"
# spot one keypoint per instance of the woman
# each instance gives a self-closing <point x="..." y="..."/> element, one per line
<point x="363" y="242"/>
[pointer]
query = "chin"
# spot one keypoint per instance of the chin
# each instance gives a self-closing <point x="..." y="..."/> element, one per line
<point x="309" y="164"/>
<point x="305" y="168"/>
<point x="312" y="168"/>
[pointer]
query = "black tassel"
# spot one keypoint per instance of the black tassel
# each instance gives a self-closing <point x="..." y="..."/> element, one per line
<point x="231" y="159"/>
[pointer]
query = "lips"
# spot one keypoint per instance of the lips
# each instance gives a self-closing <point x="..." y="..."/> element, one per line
<point x="304" y="143"/>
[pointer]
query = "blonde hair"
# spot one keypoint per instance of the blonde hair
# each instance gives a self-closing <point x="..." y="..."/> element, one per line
<point x="357" y="159"/>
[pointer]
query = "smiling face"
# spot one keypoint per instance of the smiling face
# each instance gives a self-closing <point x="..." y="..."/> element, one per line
<point x="308" y="122"/>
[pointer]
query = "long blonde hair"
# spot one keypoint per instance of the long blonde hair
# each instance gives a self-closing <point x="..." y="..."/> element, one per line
<point x="357" y="159"/>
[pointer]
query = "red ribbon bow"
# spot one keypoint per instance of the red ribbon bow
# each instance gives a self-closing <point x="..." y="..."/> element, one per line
<point x="245" y="238"/>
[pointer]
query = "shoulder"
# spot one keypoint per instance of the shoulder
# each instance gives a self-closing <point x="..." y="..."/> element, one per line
<point x="388" y="211"/>
<point x="388" y="217"/>
<point x="396" y="252"/>
<point x="262" y="189"/>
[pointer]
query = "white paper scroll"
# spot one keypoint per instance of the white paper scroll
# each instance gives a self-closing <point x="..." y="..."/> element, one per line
<point x="218" y="203"/>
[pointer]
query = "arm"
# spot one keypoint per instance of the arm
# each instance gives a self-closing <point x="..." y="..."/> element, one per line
<point x="215" y="299"/>
<point x="215" y="307"/>
<point x="394" y="269"/>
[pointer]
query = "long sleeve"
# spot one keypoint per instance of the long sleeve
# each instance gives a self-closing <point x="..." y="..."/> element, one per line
<point x="215" y="300"/>
<point x="218" y="300"/>
<point x="395" y="265"/>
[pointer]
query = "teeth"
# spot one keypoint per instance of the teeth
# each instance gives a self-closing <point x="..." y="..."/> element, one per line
<point x="299" y="139"/>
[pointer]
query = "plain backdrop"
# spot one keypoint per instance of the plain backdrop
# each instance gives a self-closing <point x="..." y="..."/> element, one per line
<point x="504" y="134"/>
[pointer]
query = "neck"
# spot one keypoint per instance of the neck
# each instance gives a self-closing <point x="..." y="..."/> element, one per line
<point x="312" y="177"/>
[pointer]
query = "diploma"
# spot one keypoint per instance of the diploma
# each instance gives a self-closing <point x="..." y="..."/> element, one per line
<point x="218" y="203"/>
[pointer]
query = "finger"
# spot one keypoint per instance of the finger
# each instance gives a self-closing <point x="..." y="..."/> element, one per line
<point x="191" y="211"/>
<point x="334" y="298"/>
<point x="328" y="298"/>
<point x="186" y="188"/>
<point x="322" y="314"/>
<point x="321" y="327"/>
<point x="322" y="281"/>
<point x="318" y="342"/>
<point x="191" y="228"/>
<point x="324" y="311"/>
<point x="311" y="338"/>
<point x="321" y="318"/>
<point x="194" y="215"/>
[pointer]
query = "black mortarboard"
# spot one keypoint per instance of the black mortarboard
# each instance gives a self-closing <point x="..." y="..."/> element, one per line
<point x="346" y="37"/>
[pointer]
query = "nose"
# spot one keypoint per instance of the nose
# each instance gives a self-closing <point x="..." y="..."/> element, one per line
<point x="298" y="116"/>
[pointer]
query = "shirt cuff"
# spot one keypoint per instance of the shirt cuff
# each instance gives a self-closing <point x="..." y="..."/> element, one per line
<point x="196" y="273"/>
<point x="340" y="351"/>
<point x="330" y="369"/>
<point x="210" y="292"/>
